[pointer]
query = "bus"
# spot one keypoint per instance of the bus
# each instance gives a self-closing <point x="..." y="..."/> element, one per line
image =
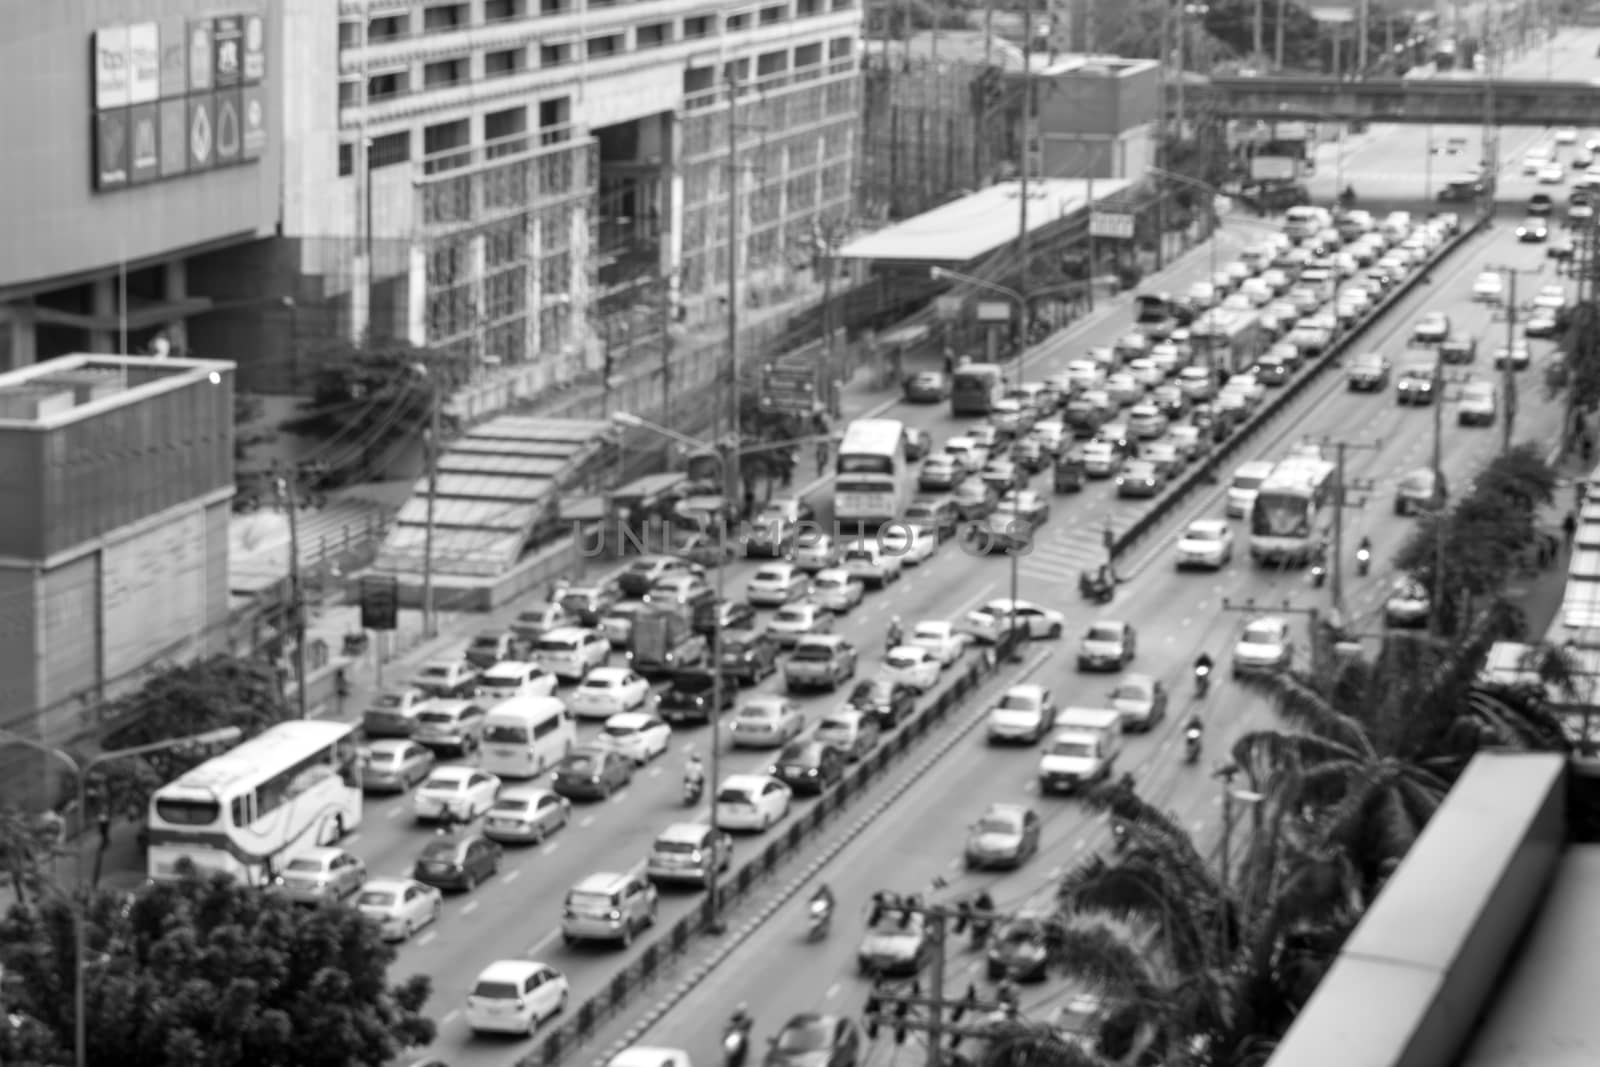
<point x="874" y="477"/>
<point x="1287" y="523"/>
<point x="1229" y="339"/>
<point x="248" y="811"/>
<point x="975" y="387"/>
<point x="526" y="735"/>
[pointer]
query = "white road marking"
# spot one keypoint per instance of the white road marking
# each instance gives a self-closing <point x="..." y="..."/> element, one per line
<point x="451" y="1016"/>
<point x="587" y="820"/>
<point x="469" y="907"/>
<point x="620" y="797"/>
<point x="655" y="772"/>
<point x="426" y="938"/>
<point x="833" y="991"/>
<point x="551" y="847"/>
<point x="543" y="943"/>
<point x="394" y="811"/>
<point x="511" y="875"/>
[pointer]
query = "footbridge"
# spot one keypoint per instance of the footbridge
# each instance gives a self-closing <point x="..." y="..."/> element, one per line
<point x="1442" y="100"/>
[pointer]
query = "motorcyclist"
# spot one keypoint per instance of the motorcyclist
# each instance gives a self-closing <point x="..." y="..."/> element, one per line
<point x="895" y="632"/>
<point x="736" y="1038"/>
<point x="1364" y="549"/>
<point x="1348" y="197"/>
<point x="694" y="772"/>
<point x="1202" y="664"/>
<point x="1194" y="726"/>
<point x="822" y="899"/>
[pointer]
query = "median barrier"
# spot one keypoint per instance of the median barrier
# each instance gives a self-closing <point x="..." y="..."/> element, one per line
<point x="1206" y="472"/>
<point x="739" y="882"/>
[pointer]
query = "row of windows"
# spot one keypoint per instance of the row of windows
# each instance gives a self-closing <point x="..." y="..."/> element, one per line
<point x="341" y="760"/>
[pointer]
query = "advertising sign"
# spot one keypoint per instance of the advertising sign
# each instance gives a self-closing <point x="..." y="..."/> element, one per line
<point x="228" y="47"/>
<point x="111" y="73"/>
<point x="144" y="143"/>
<point x="1274" y="168"/>
<point x="111" y="149"/>
<point x="144" y="63"/>
<point x="174" y="60"/>
<point x="230" y="127"/>
<point x="174" y="131"/>
<point x="199" y="55"/>
<point x="255" y="122"/>
<point x="1117" y="224"/>
<point x="255" y="49"/>
<point x="202" y="128"/>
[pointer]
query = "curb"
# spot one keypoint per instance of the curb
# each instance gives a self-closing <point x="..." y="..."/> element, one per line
<point x="828" y="854"/>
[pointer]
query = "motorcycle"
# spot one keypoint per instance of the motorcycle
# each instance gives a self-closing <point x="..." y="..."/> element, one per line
<point x="1363" y="561"/>
<point x="1119" y="836"/>
<point x="693" y="790"/>
<point x="735" y="1043"/>
<point x="1191" y="745"/>
<point x="1095" y="591"/>
<point x="821" y="917"/>
<point x="1319" y="574"/>
<point x="1202" y="681"/>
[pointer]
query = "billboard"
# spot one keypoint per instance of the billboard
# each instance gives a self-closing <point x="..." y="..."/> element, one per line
<point x="176" y="97"/>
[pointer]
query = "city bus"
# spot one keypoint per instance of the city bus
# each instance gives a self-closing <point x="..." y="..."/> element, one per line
<point x="1288" y="520"/>
<point x="874" y="478"/>
<point x="251" y="809"/>
<point x="525" y="736"/>
<point x="975" y="387"/>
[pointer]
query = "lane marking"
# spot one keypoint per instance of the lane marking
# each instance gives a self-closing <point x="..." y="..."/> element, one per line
<point x="450" y="1016"/>
<point x="543" y="943"/>
<point x="586" y="821"/>
<point x="426" y="939"/>
<point x="469" y="907"/>
<point x="511" y="876"/>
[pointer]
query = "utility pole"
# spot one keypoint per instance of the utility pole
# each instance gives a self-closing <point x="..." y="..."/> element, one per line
<point x="1277" y="37"/>
<point x="1022" y="185"/>
<point x="1342" y="501"/>
<point x="288" y="499"/>
<point x="1312" y="614"/>
<point x="733" y="489"/>
<point x="435" y="392"/>
<point x="1508" y="374"/>
<point x="666" y="350"/>
<point x="1363" y="31"/>
<point x="1257" y="44"/>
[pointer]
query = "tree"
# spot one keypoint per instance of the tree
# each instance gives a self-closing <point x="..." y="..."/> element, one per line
<point x="1580" y="345"/>
<point x="207" y="972"/>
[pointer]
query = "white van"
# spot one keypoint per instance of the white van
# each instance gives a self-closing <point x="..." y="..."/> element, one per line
<point x="1306" y="221"/>
<point x="1246" y="484"/>
<point x="526" y="736"/>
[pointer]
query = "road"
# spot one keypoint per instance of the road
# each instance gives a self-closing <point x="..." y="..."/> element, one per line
<point x="1177" y="616"/>
<point x="1413" y="162"/>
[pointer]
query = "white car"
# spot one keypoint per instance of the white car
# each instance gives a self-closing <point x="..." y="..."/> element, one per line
<point x="1197" y="383"/>
<point x="1147" y="421"/>
<point x="516" y="678"/>
<point x="751" y="802"/>
<point x="912" y="665"/>
<point x="912" y="544"/>
<point x="816" y="552"/>
<point x="1566" y="135"/>
<point x="1552" y="174"/>
<point x="515" y="996"/>
<point x="1051" y="435"/>
<point x="774" y="584"/>
<point x="940" y="638"/>
<point x="1265" y="645"/>
<point x="639" y="735"/>
<point x="1146" y="373"/>
<point x="1206" y="543"/>
<point x="464" y="792"/>
<point x="320" y="874"/>
<point x="571" y="652"/>
<point x="1202" y="294"/>
<point x="837" y="590"/>
<point x="1432" y="328"/>
<point x="990" y="622"/>
<point x="399" y="906"/>
<point x="1024" y="713"/>
<point x="967" y="452"/>
<point x="1085" y="374"/>
<point x="1553" y="297"/>
<point x="608" y="691"/>
<point x="1489" y="287"/>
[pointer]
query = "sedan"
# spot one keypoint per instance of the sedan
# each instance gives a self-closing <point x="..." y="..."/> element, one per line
<point x="457" y="862"/>
<point x="1553" y="297"/>
<point x="1518" y="354"/>
<point x="1477" y="405"/>
<point x="1489" y="287"/>
<point x="837" y="590"/>
<point x="1415" y="386"/>
<point x="1533" y="231"/>
<point x="321" y="874"/>
<point x="393" y="766"/>
<point x="1140" y="478"/>
<point x="1025" y="504"/>
<point x="399" y="906"/>
<point x="751" y="802"/>
<point x="1206" y="543"/>
<point x="816" y="552"/>
<point x="890" y="704"/>
<point x="1265" y="645"/>
<point x="1142" y="701"/>
<point x="1552" y="173"/>
<point x="1165" y="456"/>
<point x="1543" y="322"/>
<point x="639" y="735"/>
<point x="1107" y="646"/>
<point x="526" y="815"/>
<point x="940" y="638"/>
<point x="855" y="733"/>
<point x="776" y="583"/>
<point x="460" y="793"/>
<point x="794" y="621"/>
<point x="812" y="1040"/>
<point x="608" y="691"/>
<point x="927" y="387"/>
<point x="913" y="666"/>
<point x="940" y="471"/>
<point x="913" y="544"/>
<point x="808" y="765"/>
<point x="766" y="721"/>
<point x="1003" y="475"/>
<point x="1431" y="329"/>
<point x="1408" y="603"/>
<point x="1006" y="835"/>
<point x="592" y="773"/>
<point x="991" y="621"/>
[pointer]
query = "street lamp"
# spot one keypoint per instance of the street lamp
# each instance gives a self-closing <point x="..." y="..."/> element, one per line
<point x="1211" y="209"/>
<point x="1014" y="295"/>
<point x="80" y="772"/>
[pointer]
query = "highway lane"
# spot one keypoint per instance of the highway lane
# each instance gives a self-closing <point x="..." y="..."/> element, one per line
<point x="1177" y="614"/>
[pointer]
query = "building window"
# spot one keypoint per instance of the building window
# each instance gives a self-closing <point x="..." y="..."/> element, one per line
<point x="500" y="64"/>
<point x="843" y="5"/>
<point x="608" y="45"/>
<point x="697" y="27"/>
<point x="445" y="72"/>
<point x="555" y="7"/>
<point x="498" y="125"/>
<point x="349" y="35"/>
<point x="444" y="17"/>
<point x="841" y="48"/>
<point x="808" y="55"/>
<point x="392" y="83"/>
<point x="770" y="15"/>
<point x="387" y="28"/>
<point x="349" y="93"/>
<point x="807" y="8"/>
<point x="736" y="22"/>
<point x="445" y="137"/>
<point x="555" y="55"/>
<point x="389" y="149"/>
<point x="770" y="64"/>
<point x="501" y="10"/>
<point x="347" y="160"/>
<point x="653" y="35"/>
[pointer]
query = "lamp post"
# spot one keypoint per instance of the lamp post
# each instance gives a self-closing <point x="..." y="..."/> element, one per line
<point x="1211" y="208"/>
<point x="80" y="773"/>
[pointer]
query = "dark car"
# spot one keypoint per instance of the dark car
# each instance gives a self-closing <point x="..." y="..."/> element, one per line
<point x="1563" y="247"/>
<point x="711" y="615"/>
<point x="974" y="499"/>
<point x="1273" y="369"/>
<point x="771" y="538"/>
<point x="918" y="444"/>
<point x="933" y="513"/>
<point x="1533" y="230"/>
<point x="1459" y="348"/>
<point x="457" y="862"/>
<point x="1367" y="373"/>
<point x="808" y="766"/>
<point x="690" y="695"/>
<point x="592" y="773"/>
<point x="1461" y="191"/>
<point x="1020" y="951"/>
<point x="749" y="654"/>
<point x="1540" y="204"/>
<point x="813" y="1040"/>
<point x="891" y="703"/>
<point x="927" y="387"/>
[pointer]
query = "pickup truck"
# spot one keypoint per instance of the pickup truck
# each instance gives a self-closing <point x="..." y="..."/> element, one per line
<point x="1083" y="750"/>
<point x="825" y="661"/>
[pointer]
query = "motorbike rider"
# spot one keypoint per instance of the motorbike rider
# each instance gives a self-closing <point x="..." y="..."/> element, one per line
<point x="694" y="772"/>
<point x="1202" y="664"/>
<point x="822" y="900"/>
<point x="1364" y="550"/>
<point x="1194" y="727"/>
<point x="895" y="633"/>
<point x="736" y="1038"/>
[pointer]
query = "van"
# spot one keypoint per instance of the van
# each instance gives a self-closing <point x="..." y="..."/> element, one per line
<point x="1082" y="751"/>
<point x="1302" y="222"/>
<point x="608" y="907"/>
<point x="688" y="852"/>
<point x="1246" y="484"/>
<point x="868" y="561"/>
<point x="526" y="735"/>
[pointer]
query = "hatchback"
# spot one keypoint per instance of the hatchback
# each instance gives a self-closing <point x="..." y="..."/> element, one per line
<point x="608" y="907"/>
<point x="592" y="773"/>
<point x="808" y="766"/>
<point x="457" y="863"/>
<point x="515" y="996"/>
<point x="853" y="732"/>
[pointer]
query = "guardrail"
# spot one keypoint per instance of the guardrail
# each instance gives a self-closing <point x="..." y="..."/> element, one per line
<point x="583" y="1020"/>
<point x="1204" y="474"/>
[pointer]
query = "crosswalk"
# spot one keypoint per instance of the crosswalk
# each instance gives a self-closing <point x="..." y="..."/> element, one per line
<point x="1074" y="542"/>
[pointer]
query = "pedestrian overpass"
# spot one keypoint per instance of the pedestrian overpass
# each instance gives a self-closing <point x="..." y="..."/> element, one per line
<point x="1439" y="100"/>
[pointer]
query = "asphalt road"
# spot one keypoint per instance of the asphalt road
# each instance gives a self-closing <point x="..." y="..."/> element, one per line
<point x="776" y="973"/>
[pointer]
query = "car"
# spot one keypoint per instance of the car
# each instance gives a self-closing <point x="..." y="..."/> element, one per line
<point x="927" y="387"/>
<point x="912" y="665"/>
<point x="1206" y="543"/>
<point x="995" y="618"/>
<point x="942" y="470"/>
<point x="393" y="765"/>
<point x="1170" y="401"/>
<point x="1542" y="322"/>
<point x="1564" y="247"/>
<point x="457" y="862"/>
<point x="515" y="996"/>
<point x="776" y="583"/>
<point x="940" y="638"/>
<point x="569" y="653"/>
<point x="1101" y="459"/>
<point x="822" y="661"/>
<point x="1565" y="135"/>
<point x="1005" y="836"/>
<point x="1024" y="713"/>
<point x="1002" y="475"/>
<point x="749" y="655"/>
<point x="687" y="590"/>
<point x="968" y="453"/>
<point x="1265" y="645"/>
<point x="1272" y="370"/>
<point x="1415" y="386"/>
<point x="1190" y="441"/>
<point x="691" y="694"/>
<point x="1197" y="383"/>
<point x="913" y="545"/>
<point x="609" y="906"/>
<point x="688" y="852"/>
<point x="887" y="701"/>
<point x="1420" y="490"/>
<point x="792" y="622"/>
<point x="752" y="802"/>
<point x="617" y="623"/>
<point x="724" y="615"/>
<point x="1107" y="646"/>
<point x="855" y="733"/>
<point x="638" y="577"/>
<point x="1459" y="348"/>
<point x="869" y="559"/>
<point x="1141" y="699"/>
<point x="1124" y="389"/>
<point x="1533" y="230"/>
<point x="1552" y="173"/>
<point x="895" y="943"/>
<point x="393" y="712"/>
<point x="1140" y="478"/>
<point x="1026" y="504"/>
<point x="815" y="551"/>
<point x="446" y="679"/>
<point x="766" y="721"/>
<point x="1245" y="484"/>
<point x="938" y="516"/>
<point x="974" y="498"/>
<point x="588" y="602"/>
<point x="1167" y="458"/>
<point x="639" y="735"/>
<point x="526" y="815"/>
<point x="811" y="1039"/>
<point x="1476" y="405"/>
<point x="317" y="875"/>
<point x="1408" y="603"/>
<point x="519" y="678"/>
<point x="808" y="765"/>
<point x="1553" y="297"/>
<point x="453" y="792"/>
<point x="1432" y="328"/>
<point x="1019" y="950"/>
<point x="533" y="621"/>
<point x="837" y="590"/>
<point x="1489" y="287"/>
<point x="1517" y="353"/>
<point x="770" y="537"/>
<point x="399" y="906"/>
<point x="490" y="647"/>
<point x="590" y="772"/>
<point x="607" y="691"/>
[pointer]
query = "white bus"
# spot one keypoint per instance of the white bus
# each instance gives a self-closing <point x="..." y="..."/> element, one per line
<point x="1287" y="520"/>
<point x="525" y="736"/>
<point x="249" y="810"/>
<point x="874" y="478"/>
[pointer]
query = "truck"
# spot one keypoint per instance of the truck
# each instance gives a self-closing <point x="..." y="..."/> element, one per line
<point x="663" y="641"/>
<point x="1082" y="751"/>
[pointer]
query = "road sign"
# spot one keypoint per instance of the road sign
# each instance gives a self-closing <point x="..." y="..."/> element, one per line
<point x="380" y="601"/>
<point x="948" y="306"/>
<point x="1111" y="224"/>
<point x="994" y="311"/>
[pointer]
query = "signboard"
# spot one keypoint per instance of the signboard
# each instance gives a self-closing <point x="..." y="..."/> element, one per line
<point x="111" y="68"/>
<point x="230" y="126"/>
<point x="254" y="118"/>
<point x="1115" y="224"/>
<point x="111" y="149"/>
<point x="202" y="131"/>
<point x="255" y="49"/>
<point x="174" y="77"/>
<point x="200" y="55"/>
<point x="994" y="311"/>
<point x="144" y="63"/>
<point x="380" y="602"/>
<point x="1291" y="131"/>
<point x="1274" y="168"/>
<point x="227" y="41"/>
<point x="948" y="306"/>
<point x="174" y="133"/>
<point x="144" y="143"/>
